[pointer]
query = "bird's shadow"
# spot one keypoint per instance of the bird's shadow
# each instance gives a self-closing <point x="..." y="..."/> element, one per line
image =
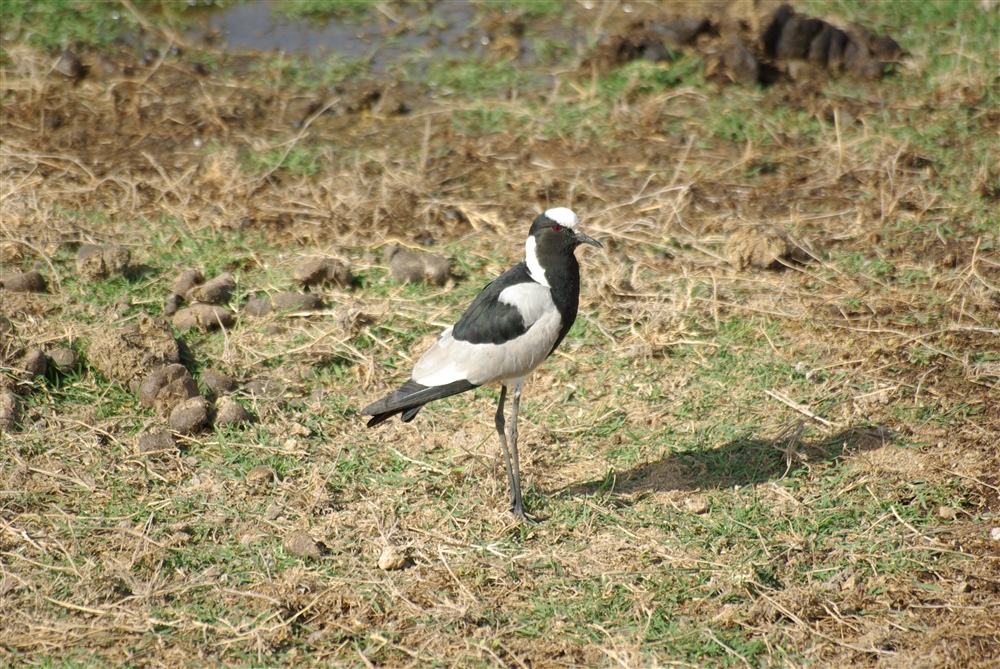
<point x="740" y="462"/>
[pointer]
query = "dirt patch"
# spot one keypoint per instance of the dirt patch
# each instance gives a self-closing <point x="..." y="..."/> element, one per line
<point x="762" y="248"/>
<point x="704" y="408"/>
<point x="754" y="44"/>
<point x="126" y="355"/>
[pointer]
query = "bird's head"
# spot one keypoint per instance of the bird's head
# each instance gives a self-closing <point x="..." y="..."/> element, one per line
<point x="551" y="241"/>
<point x="557" y="229"/>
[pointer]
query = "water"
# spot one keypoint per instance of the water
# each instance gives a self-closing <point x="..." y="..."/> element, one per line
<point x="382" y="35"/>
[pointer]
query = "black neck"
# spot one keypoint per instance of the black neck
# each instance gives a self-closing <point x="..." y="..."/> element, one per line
<point x="562" y="272"/>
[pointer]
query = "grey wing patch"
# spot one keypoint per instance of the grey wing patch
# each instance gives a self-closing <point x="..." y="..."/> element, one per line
<point x="450" y="360"/>
<point x="438" y="366"/>
<point x="532" y="300"/>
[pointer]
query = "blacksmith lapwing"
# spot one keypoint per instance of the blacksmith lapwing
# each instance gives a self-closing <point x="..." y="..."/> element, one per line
<point x="508" y="330"/>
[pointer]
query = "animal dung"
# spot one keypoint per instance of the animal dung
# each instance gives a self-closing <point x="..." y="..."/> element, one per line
<point x="24" y="282"/>
<point x="96" y="263"/>
<point x="409" y="266"/>
<point x="323" y="271"/>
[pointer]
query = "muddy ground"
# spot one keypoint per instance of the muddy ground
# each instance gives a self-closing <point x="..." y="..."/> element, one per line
<point x="156" y="154"/>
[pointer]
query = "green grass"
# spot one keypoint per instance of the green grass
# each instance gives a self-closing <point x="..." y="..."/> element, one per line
<point x="61" y="24"/>
<point x="320" y="9"/>
<point x="65" y="23"/>
<point x="470" y="78"/>
<point x="926" y="29"/>
<point x="302" y="72"/>
<point x="527" y="9"/>
<point x="641" y="77"/>
<point x="687" y="515"/>
<point x="485" y="119"/>
<point x="298" y="160"/>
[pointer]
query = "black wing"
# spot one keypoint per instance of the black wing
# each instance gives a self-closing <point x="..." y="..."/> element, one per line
<point x="490" y="321"/>
<point x="409" y="399"/>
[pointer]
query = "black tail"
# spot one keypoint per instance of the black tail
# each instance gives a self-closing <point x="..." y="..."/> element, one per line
<point x="409" y="399"/>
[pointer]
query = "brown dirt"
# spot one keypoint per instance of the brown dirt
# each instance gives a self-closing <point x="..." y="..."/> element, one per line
<point x="132" y="148"/>
<point x="128" y="354"/>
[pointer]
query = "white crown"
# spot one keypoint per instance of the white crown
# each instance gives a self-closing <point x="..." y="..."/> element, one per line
<point x="564" y="217"/>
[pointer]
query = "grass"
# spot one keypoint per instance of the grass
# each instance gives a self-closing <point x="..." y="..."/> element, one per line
<point x="299" y="72"/>
<point x="732" y="467"/>
<point x="475" y="79"/>
<point x="62" y="24"/>
<point x="526" y="9"/>
<point x="319" y="9"/>
<point x="299" y="161"/>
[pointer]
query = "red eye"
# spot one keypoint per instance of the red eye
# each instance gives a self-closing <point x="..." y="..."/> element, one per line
<point x="557" y="228"/>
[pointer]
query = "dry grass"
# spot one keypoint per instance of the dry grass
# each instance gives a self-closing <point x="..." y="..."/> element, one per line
<point x="735" y="466"/>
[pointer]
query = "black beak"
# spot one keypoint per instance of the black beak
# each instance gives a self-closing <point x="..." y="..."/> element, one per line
<point x="586" y="239"/>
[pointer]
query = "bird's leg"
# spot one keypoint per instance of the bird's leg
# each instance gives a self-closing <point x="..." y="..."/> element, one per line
<point x="516" y="502"/>
<point x="503" y="441"/>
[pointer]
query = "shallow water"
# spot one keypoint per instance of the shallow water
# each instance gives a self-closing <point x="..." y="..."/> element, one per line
<point x="256" y="26"/>
<point x="382" y="35"/>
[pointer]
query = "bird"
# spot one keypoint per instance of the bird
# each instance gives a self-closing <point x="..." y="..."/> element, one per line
<point x="509" y="329"/>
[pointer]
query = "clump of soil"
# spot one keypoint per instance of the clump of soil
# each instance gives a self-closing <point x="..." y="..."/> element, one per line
<point x="187" y="280"/>
<point x="216" y="383"/>
<point x="260" y="475"/>
<point x="69" y="65"/>
<point x="128" y="354"/>
<point x="204" y="317"/>
<point x="418" y="267"/>
<point x="191" y="415"/>
<point x="27" y="364"/>
<point x="184" y="283"/>
<point x="739" y="63"/>
<point x="173" y="393"/>
<point x="206" y="298"/>
<point x="258" y="306"/>
<point x="755" y="49"/>
<point x="790" y="35"/>
<point x="96" y="263"/>
<point x="155" y="443"/>
<point x="10" y="411"/>
<point x="393" y="558"/>
<point x="231" y="412"/>
<point x="282" y="301"/>
<point x="167" y="387"/>
<point x="299" y="544"/>
<point x="760" y="246"/>
<point x="323" y="271"/>
<point x="620" y="49"/>
<point x="151" y="386"/>
<point x="296" y="302"/>
<point x="23" y="364"/>
<point x="64" y="360"/>
<point x="214" y="291"/>
<point x="24" y="282"/>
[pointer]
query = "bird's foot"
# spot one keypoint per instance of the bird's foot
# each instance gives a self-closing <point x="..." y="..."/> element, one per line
<point x="518" y="510"/>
